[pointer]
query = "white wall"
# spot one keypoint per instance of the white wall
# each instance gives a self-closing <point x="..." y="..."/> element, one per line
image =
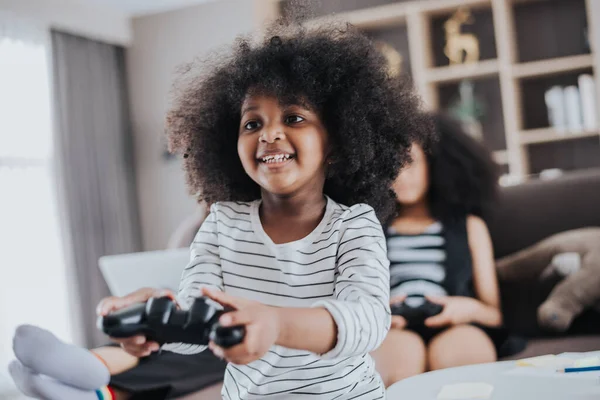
<point x="161" y="42"/>
<point x="88" y="19"/>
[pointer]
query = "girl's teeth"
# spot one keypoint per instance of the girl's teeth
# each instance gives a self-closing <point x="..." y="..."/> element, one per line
<point x="276" y="158"/>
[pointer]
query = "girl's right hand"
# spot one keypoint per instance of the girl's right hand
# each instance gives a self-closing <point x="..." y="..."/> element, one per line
<point x="136" y="345"/>
<point x="398" y="321"/>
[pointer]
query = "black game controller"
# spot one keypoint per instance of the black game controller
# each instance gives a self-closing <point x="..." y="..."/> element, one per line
<point x="161" y="321"/>
<point x="416" y="316"/>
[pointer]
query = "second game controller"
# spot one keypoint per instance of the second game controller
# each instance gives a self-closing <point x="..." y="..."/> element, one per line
<point x="416" y="316"/>
<point x="161" y="321"/>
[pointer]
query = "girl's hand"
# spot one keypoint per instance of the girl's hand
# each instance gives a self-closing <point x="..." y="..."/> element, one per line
<point x="457" y="310"/>
<point x="261" y="323"/>
<point x="137" y="346"/>
<point x="398" y="321"/>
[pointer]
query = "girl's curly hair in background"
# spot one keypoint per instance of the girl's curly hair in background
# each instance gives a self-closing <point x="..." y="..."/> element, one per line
<point x="463" y="177"/>
<point x="370" y="117"/>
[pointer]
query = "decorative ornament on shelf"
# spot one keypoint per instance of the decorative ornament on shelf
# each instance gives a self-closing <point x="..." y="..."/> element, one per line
<point x="572" y="109"/>
<point x="460" y="44"/>
<point x="393" y="57"/>
<point x="468" y="109"/>
<point x="555" y="105"/>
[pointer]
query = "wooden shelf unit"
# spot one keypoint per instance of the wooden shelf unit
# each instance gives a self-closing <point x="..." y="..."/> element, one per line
<point x="501" y="156"/>
<point x="372" y="17"/>
<point x="507" y="16"/>
<point x="547" y="135"/>
<point x="552" y="66"/>
<point x="453" y="73"/>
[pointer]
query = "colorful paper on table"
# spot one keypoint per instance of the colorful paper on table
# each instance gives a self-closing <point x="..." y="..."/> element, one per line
<point x="586" y="362"/>
<point x="548" y="366"/>
<point x="549" y="360"/>
<point x="466" y="391"/>
<point x="562" y="361"/>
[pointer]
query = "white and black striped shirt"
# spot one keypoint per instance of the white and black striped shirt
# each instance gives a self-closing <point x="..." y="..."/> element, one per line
<point x="341" y="266"/>
<point x="417" y="264"/>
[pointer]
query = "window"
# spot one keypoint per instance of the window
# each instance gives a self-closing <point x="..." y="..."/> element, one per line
<point x="33" y="285"/>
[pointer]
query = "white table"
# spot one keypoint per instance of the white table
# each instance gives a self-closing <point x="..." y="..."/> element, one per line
<point x="506" y="386"/>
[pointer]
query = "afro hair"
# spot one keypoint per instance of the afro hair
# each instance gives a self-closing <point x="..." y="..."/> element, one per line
<point x="463" y="177"/>
<point x="371" y="118"/>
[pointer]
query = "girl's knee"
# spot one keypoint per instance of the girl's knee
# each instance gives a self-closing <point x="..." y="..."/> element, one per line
<point x="460" y="345"/>
<point x="408" y="338"/>
<point x="402" y="355"/>
<point x="400" y="372"/>
<point x="405" y="344"/>
<point x="399" y="340"/>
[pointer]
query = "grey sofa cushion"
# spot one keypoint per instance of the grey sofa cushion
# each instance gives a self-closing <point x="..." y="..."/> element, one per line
<point x="532" y="211"/>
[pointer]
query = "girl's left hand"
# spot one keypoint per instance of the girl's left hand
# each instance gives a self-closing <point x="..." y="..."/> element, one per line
<point x="457" y="310"/>
<point x="260" y="321"/>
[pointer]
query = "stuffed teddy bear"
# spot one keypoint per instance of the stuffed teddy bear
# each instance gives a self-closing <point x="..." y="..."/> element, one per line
<point x="574" y="253"/>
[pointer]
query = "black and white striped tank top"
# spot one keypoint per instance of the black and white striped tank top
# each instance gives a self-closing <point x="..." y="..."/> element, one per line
<point x="417" y="264"/>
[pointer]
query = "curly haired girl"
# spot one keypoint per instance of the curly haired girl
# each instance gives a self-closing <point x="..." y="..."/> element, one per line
<point x="440" y="251"/>
<point x="295" y="141"/>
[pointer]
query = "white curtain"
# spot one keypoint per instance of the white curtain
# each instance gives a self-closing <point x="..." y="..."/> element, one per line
<point x="97" y="181"/>
<point x="33" y="284"/>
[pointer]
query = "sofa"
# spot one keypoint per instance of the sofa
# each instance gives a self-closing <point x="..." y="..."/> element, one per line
<point x="526" y="214"/>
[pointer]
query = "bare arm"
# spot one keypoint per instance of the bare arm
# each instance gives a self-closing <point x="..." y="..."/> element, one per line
<point x="311" y="329"/>
<point x="484" y="273"/>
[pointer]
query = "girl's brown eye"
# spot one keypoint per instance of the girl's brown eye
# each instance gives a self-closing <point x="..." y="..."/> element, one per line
<point x="293" y="119"/>
<point x="251" y="125"/>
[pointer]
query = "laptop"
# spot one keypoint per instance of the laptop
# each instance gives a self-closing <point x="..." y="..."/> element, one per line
<point x="126" y="273"/>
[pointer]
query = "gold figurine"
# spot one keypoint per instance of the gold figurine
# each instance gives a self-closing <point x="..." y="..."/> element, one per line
<point x="458" y="42"/>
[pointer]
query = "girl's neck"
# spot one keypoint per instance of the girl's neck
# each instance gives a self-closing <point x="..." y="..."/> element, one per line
<point x="413" y="219"/>
<point x="290" y="218"/>
<point x="294" y="206"/>
<point x="417" y="211"/>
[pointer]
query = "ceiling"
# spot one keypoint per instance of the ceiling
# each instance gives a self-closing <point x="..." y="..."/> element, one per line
<point x="141" y="7"/>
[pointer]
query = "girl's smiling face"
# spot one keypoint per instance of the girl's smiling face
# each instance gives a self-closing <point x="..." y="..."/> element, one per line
<point x="283" y="148"/>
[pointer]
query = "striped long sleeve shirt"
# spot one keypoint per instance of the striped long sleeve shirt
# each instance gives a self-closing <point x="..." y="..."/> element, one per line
<point x="341" y="266"/>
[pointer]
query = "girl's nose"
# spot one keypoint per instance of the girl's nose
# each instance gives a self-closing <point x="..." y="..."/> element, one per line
<point x="271" y="133"/>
